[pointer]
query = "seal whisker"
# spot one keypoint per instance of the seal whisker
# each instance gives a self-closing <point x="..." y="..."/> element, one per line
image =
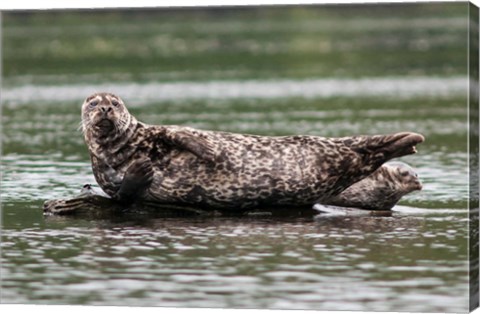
<point x="83" y="125"/>
<point x="119" y="126"/>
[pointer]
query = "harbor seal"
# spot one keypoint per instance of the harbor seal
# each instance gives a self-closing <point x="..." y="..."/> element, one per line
<point x="178" y="165"/>
<point x="381" y="190"/>
<point x="378" y="192"/>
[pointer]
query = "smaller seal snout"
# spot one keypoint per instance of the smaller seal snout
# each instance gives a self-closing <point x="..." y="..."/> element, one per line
<point x="413" y="183"/>
<point x="417" y="185"/>
<point x="406" y="176"/>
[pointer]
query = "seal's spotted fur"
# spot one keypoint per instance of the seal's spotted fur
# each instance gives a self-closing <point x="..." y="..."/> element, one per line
<point x="181" y="165"/>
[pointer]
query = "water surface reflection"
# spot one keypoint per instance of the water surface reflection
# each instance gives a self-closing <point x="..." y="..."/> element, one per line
<point x="353" y="263"/>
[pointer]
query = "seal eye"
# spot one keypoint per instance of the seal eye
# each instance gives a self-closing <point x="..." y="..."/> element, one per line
<point x="115" y="103"/>
<point x="93" y="103"/>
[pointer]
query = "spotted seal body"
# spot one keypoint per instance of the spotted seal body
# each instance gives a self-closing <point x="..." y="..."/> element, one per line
<point x="381" y="190"/>
<point x="181" y="165"/>
<point x="378" y="192"/>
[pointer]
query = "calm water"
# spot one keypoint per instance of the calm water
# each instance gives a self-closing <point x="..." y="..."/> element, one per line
<point x="332" y="72"/>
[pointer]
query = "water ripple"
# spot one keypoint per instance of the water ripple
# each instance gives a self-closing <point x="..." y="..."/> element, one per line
<point x="398" y="87"/>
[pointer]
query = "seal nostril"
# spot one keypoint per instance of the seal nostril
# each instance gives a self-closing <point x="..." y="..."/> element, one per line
<point x="109" y="109"/>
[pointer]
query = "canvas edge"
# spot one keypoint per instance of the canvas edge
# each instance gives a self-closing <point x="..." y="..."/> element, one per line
<point x="473" y="147"/>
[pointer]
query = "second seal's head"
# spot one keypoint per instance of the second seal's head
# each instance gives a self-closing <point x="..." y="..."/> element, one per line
<point x="104" y="114"/>
<point x="405" y="176"/>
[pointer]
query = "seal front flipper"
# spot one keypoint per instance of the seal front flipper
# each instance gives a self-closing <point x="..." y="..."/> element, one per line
<point x="193" y="141"/>
<point x="136" y="180"/>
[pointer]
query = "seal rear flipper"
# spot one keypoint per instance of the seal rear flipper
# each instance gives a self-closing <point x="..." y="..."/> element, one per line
<point x="136" y="180"/>
<point x="385" y="147"/>
<point x="402" y="144"/>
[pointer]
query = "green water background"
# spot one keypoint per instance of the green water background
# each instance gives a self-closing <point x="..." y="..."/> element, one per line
<point x="50" y="56"/>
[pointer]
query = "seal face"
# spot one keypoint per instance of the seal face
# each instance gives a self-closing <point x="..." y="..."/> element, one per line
<point x="180" y="165"/>
<point x="381" y="190"/>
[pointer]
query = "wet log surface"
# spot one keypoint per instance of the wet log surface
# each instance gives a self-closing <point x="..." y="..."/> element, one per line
<point x="98" y="206"/>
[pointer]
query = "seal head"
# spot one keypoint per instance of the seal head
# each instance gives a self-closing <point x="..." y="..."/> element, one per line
<point x="105" y="115"/>
<point x="404" y="176"/>
<point x="108" y="129"/>
<point x="381" y="190"/>
<point x="106" y="123"/>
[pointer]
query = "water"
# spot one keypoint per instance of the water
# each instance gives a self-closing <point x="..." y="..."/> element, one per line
<point x="330" y="72"/>
<point x="319" y="88"/>
<point x="346" y="263"/>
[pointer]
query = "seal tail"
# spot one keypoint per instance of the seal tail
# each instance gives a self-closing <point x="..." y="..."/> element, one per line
<point x="386" y="147"/>
<point x="371" y="152"/>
